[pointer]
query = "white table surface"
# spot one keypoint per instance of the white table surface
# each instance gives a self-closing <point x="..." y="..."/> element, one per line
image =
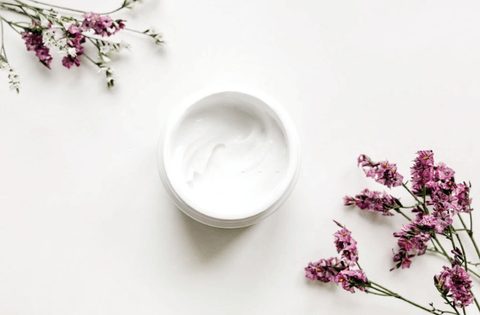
<point x="86" y="226"/>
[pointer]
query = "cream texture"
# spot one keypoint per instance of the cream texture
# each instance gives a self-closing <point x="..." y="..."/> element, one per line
<point x="229" y="157"/>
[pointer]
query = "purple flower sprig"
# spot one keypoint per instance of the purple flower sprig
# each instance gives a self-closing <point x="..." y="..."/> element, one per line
<point x="341" y="271"/>
<point x="439" y="198"/>
<point x="383" y="172"/>
<point x="69" y="34"/>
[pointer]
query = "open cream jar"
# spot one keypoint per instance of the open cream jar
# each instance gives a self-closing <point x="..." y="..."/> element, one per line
<point x="229" y="157"/>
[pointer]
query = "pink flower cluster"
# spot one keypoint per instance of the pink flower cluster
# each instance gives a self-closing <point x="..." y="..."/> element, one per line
<point x="383" y="172"/>
<point x="33" y="41"/>
<point x="339" y="270"/>
<point x="412" y="241"/>
<point x="75" y="39"/>
<point x="100" y="24"/>
<point x="438" y="182"/>
<point x="373" y="201"/>
<point x="455" y="282"/>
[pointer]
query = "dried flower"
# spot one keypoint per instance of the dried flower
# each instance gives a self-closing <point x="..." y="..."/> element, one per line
<point x="68" y="34"/>
<point x="34" y="41"/>
<point x="352" y="279"/>
<point x="412" y="241"/>
<point x="373" y="201"/>
<point x="340" y="270"/>
<point x="325" y="270"/>
<point x="383" y="172"/>
<point x="455" y="283"/>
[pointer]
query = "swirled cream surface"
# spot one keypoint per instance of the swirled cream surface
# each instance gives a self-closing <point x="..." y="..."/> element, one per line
<point x="229" y="156"/>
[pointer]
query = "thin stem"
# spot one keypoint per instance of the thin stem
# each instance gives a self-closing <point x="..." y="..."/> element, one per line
<point x="411" y="193"/>
<point x="57" y="6"/>
<point x="3" y="43"/>
<point x="114" y="11"/>
<point x="386" y="292"/>
<point x="403" y="214"/>
<point x="379" y="294"/>
<point x="450" y="237"/>
<point x="93" y="61"/>
<point x="10" y="24"/>
<point x="424" y="193"/>
<point x="463" y="251"/>
<point x="22" y="6"/>
<point x="434" y="237"/>
<point x="470" y="232"/>
<point x="452" y="305"/>
<point x="471" y="221"/>
<point x="134" y="31"/>
<point x="476" y="302"/>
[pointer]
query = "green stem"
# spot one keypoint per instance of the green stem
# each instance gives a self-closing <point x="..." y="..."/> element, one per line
<point x="463" y="251"/>
<point x="476" y="302"/>
<point x="403" y="214"/>
<point x="386" y="292"/>
<point x="93" y="61"/>
<point x="22" y="6"/>
<point x="470" y="232"/>
<point x="358" y="265"/>
<point x="10" y="24"/>
<point x="471" y="221"/>
<point x="452" y="305"/>
<point x="3" y="43"/>
<point x="114" y="11"/>
<point x="411" y="193"/>
<point x="379" y="294"/>
<point x="450" y="237"/>
<point x="434" y="237"/>
<point x="57" y="6"/>
<point x="134" y="31"/>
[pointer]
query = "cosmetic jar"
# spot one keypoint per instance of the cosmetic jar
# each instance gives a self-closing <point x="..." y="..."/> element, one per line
<point x="229" y="156"/>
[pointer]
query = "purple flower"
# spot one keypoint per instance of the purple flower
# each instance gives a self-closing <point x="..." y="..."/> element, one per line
<point x="75" y="40"/>
<point x="443" y="219"/>
<point x="456" y="283"/>
<point x="34" y="42"/>
<point x="43" y="54"/>
<point x="68" y="62"/>
<point x="462" y="192"/>
<point x="442" y="172"/>
<point x="101" y="25"/>
<point x="373" y="201"/>
<point x="383" y="172"/>
<point x="346" y="245"/>
<point x="412" y="241"/>
<point x="325" y="270"/>
<point x="422" y="171"/>
<point x="352" y="279"/>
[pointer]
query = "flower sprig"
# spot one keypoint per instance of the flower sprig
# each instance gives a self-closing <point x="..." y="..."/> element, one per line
<point x="44" y="30"/>
<point x="439" y="198"/>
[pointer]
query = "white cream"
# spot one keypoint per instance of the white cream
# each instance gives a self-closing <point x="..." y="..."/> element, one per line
<point x="229" y="156"/>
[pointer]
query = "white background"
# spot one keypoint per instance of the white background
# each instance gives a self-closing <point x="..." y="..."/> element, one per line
<point x="87" y="228"/>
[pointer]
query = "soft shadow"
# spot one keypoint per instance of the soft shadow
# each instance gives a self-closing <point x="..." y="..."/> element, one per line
<point x="208" y="241"/>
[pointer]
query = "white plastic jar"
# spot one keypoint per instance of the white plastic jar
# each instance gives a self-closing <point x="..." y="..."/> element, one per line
<point x="229" y="156"/>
